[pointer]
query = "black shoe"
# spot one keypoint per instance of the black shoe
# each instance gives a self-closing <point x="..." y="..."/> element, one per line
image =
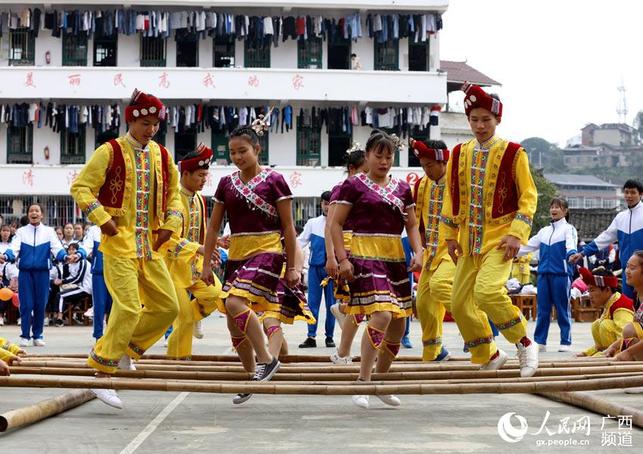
<point x="59" y="322"/>
<point x="330" y="342"/>
<point x="265" y="371"/>
<point x="310" y="342"/>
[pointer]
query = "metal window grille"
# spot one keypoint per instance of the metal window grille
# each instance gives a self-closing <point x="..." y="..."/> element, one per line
<point x="419" y="56"/>
<point x="20" y="144"/>
<point x="418" y="133"/>
<point x="74" y="50"/>
<point x="222" y="155"/>
<point x="153" y="51"/>
<point x="72" y="146"/>
<point x="223" y="52"/>
<point x="184" y="142"/>
<point x="309" y="53"/>
<point x="257" y="54"/>
<point x="308" y="145"/>
<point x="105" y="136"/>
<point x="22" y="47"/>
<point x="387" y="55"/>
<point x="105" y="50"/>
<point x="396" y="157"/>
<point x="59" y="209"/>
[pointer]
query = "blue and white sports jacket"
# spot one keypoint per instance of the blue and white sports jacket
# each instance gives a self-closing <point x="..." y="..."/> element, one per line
<point x="555" y="243"/>
<point x="33" y="246"/>
<point x="91" y="243"/>
<point x="627" y="229"/>
<point x="314" y="234"/>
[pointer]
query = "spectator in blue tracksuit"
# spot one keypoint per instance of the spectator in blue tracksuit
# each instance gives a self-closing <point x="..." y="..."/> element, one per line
<point x="313" y="234"/>
<point x="101" y="299"/>
<point x="33" y="246"/>
<point x="556" y="243"/>
<point x="626" y="228"/>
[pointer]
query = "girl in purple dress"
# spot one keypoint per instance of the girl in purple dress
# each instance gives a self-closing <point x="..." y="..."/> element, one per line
<point x="258" y="203"/>
<point x="379" y="207"/>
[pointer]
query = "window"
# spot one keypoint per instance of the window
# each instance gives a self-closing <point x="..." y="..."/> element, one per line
<point x="574" y="202"/>
<point x="20" y="144"/>
<point x="396" y="157"/>
<point x="159" y="137"/>
<point x="153" y="51"/>
<point x="308" y="145"/>
<point x="74" y="50"/>
<point x="22" y="45"/>
<point x="309" y="53"/>
<point x="187" y="49"/>
<point x="72" y="146"/>
<point x="184" y="142"/>
<point x="339" y="137"/>
<point x="223" y="52"/>
<point x="257" y="54"/>
<point x="419" y="56"/>
<point x="387" y="55"/>
<point x="105" y="49"/>
<point x="607" y="203"/>
<point x="592" y="203"/>
<point x="339" y="52"/>
<point x="105" y="136"/>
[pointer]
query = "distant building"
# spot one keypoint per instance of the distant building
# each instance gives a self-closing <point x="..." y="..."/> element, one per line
<point x="614" y="134"/>
<point x="586" y="191"/>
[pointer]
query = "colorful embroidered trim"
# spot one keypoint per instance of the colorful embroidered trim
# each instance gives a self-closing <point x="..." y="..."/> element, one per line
<point x="241" y="320"/>
<point x="386" y="192"/>
<point x="524" y="218"/>
<point x="375" y="336"/>
<point x="103" y="361"/>
<point x="479" y="341"/>
<point x="509" y="324"/>
<point x="247" y="191"/>
<point x="428" y="342"/>
<point x="91" y="207"/>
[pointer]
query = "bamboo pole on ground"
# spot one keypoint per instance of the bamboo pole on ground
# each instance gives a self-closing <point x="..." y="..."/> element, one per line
<point x="307" y="388"/>
<point x="338" y="374"/>
<point x="598" y="405"/>
<point x="21" y="417"/>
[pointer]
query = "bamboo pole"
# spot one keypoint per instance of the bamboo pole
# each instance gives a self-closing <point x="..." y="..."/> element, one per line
<point x="418" y="378"/>
<point x="337" y="374"/>
<point x="25" y="416"/>
<point x="307" y="388"/>
<point x="598" y="405"/>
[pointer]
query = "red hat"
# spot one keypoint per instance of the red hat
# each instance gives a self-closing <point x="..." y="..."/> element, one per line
<point x="142" y="105"/>
<point x="598" y="281"/>
<point x="477" y="97"/>
<point x="202" y="161"/>
<point x="421" y="150"/>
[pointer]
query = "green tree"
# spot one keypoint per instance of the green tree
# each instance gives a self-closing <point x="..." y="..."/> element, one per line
<point x="546" y="192"/>
<point x="545" y="155"/>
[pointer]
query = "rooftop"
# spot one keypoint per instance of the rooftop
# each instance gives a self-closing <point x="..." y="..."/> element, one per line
<point x="563" y="179"/>
<point x="460" y="72"/>
<point x="591" y="222"/>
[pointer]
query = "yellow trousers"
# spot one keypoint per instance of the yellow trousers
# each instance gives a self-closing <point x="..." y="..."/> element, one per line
<point x="205" y="301"/>
<point x="432" y="301"/>
<point x="479" y="295"/>
<point x="144" y="306"/>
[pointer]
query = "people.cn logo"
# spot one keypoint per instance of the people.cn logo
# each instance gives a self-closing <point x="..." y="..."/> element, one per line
<point x="508" y="432"/>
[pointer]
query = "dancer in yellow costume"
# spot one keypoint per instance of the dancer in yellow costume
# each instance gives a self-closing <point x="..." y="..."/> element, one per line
<point x="488" y="211"/>
<point x="618" y="310"/>
<point x="520" y="269"/>
<point x="130" y="188"/>
<point x="10" y="353"/>
<point x="436" y="280"/>
<point x="184" y="255"/>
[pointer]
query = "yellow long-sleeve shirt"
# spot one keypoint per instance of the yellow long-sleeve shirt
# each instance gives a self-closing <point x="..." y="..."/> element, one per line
<point x="480" y="182"/>
<point x="609" y="327"/>
<point x="141" y="213"/>
<point x="8" y="350"/>
<point x="182" y="257"/>
<point x="429" y="198"/>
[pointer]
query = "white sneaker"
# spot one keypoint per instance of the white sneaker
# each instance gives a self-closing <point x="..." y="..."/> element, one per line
<point x="24" y="342"/>
<point x="46" y="322"/>
<point x="389" y="399"/>
<point x="89" y="313"/>
<point x="1" y="321"/>
<point x="38" y="343"/>
<point x="126" y="363"/>
<point x="496" y="363"/>
<point x="165" y="342"/>
<point x="197" y="330"/>
<point x="528" y="358"/>
<point x="109" y="397"/>
<point x="19" y="322"/>
<point x="564" y="348"/>
<point x="339" y="316"/>
<point x="542" y="348"/>
<point x="340" y="360"/>
<point x="241" y="398"/>
<point x="361" y="401"/>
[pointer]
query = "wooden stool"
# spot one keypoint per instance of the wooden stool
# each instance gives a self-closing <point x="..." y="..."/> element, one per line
<point x="79" y="308"/>
<point x="527" y="305"/>
<point x="583" y="311"/>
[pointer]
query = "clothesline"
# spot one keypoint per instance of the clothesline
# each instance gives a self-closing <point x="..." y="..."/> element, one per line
<point x="156" y="23"/>
<point x="198" y="117"/>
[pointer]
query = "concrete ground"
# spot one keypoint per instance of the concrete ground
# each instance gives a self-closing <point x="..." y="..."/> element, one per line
<point x="157" y="422"/>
